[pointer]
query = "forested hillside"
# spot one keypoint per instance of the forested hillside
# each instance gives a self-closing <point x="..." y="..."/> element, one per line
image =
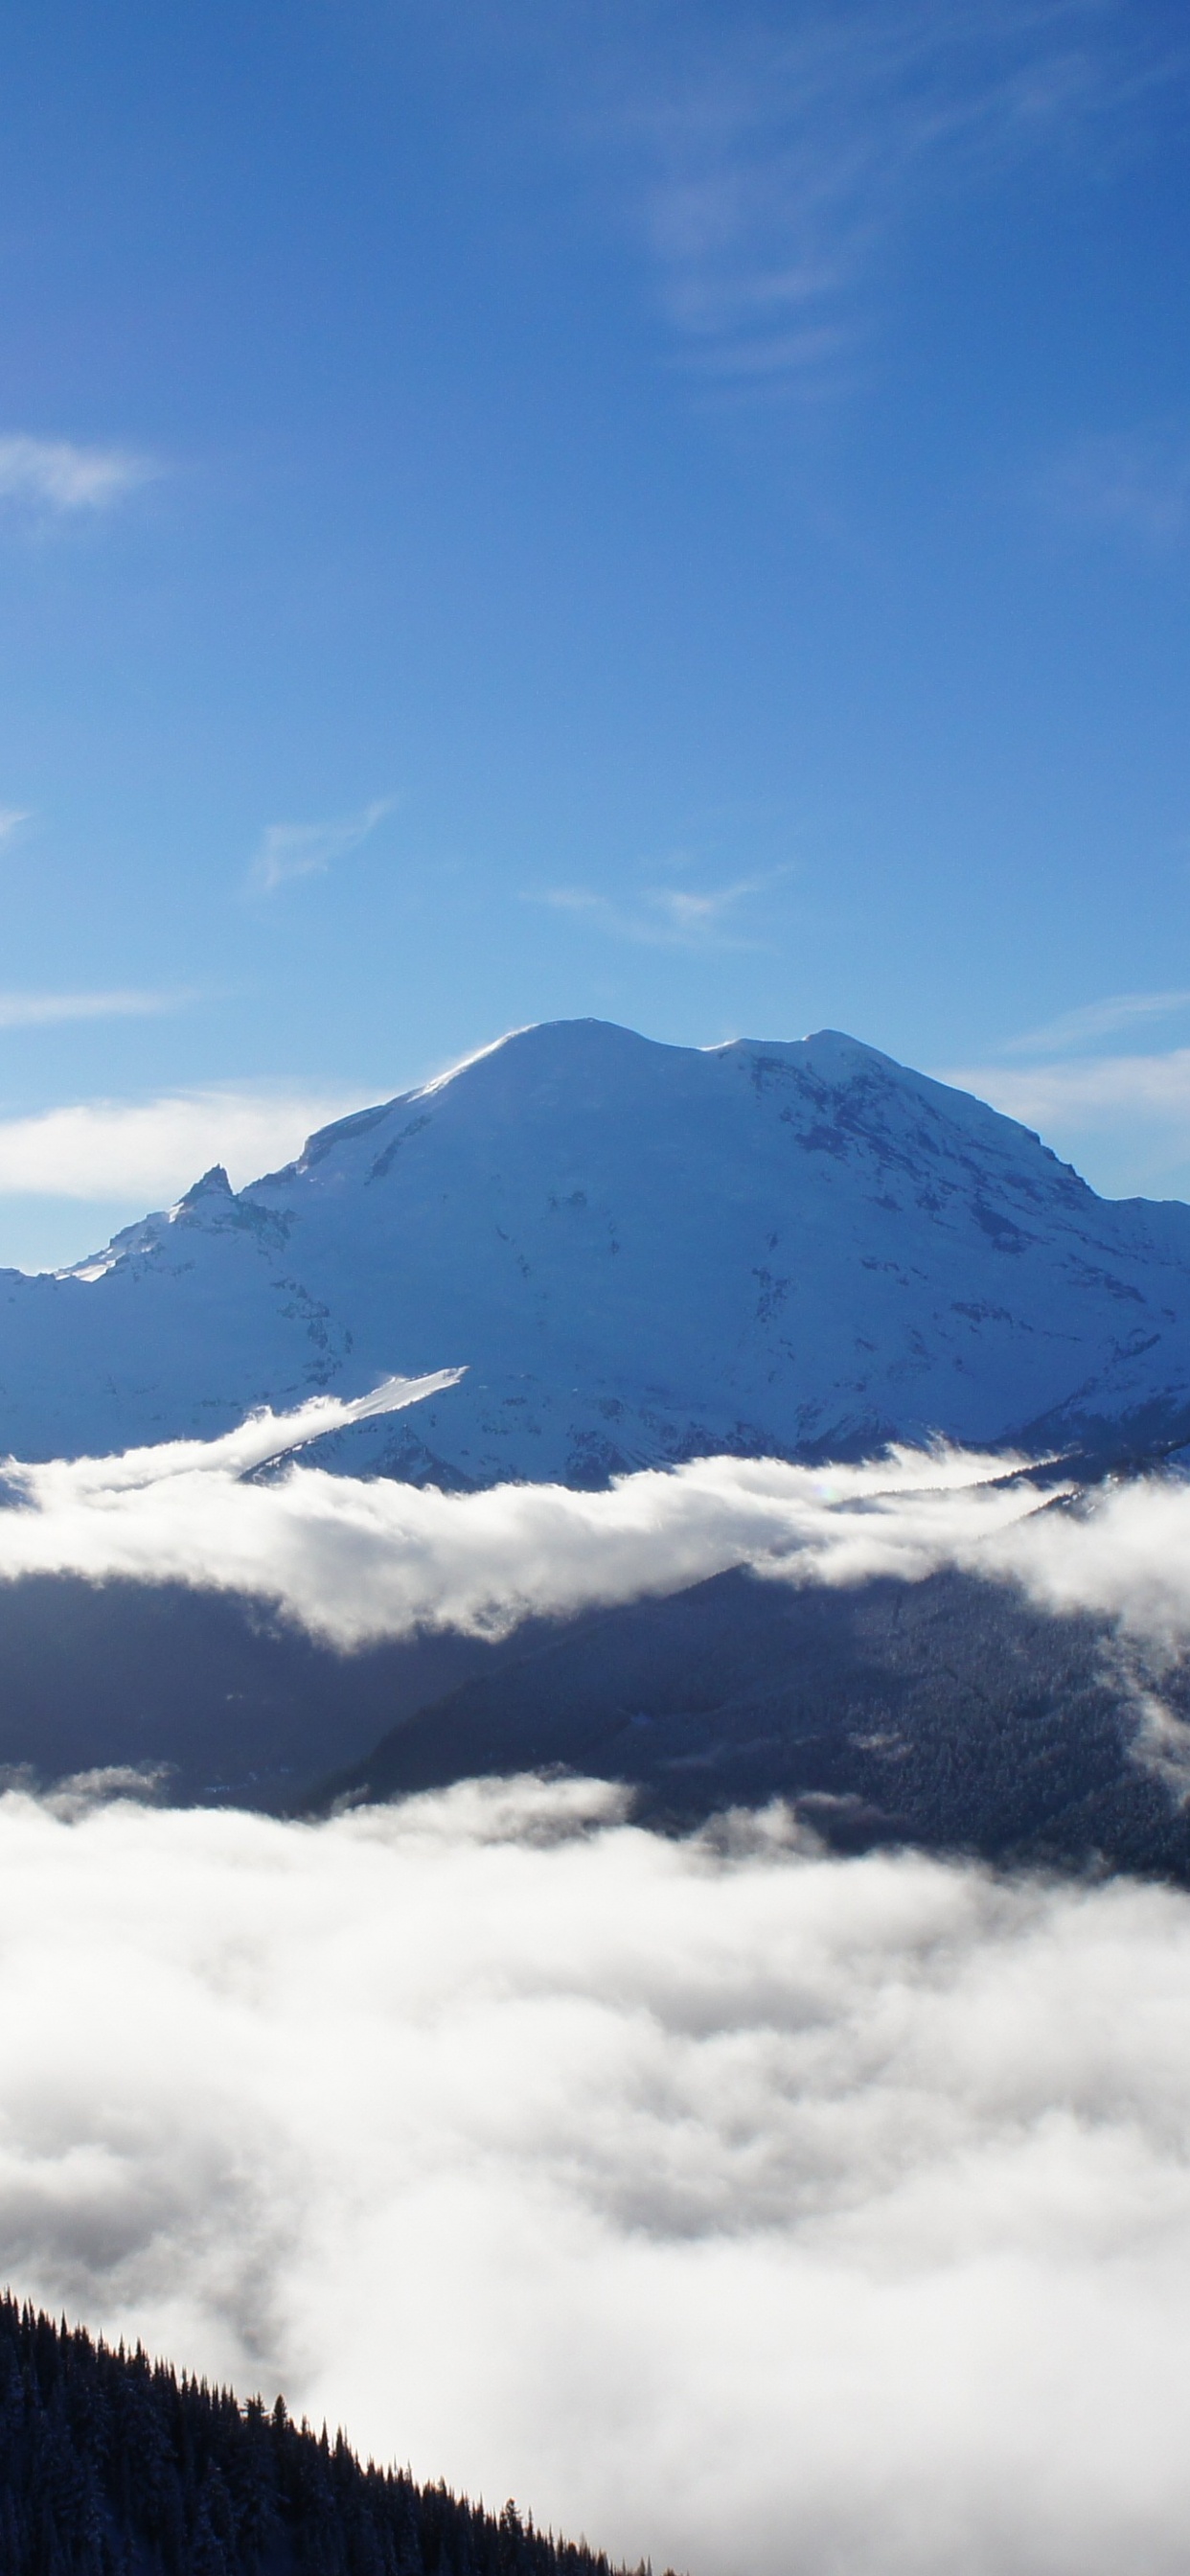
<point x="951" y="1714"/>
<point x="110" y="2465"/>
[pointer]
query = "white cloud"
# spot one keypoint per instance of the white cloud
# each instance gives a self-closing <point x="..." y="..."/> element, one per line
<point x="725" y="2201"/>
<point x="150" y="1151"/>
<point x="308" y="849"/>
<point x="353" y="1560"/>
<point x="669" y="916"/>
<point x="1134" y="485"/>
<point x="1097" y="1020"/>
<point x="1125" y="1119"/>
<point x="774" y="166"/>
<point x="728" y="2203"/>
<point x="256" y="1442"/>
<point x="1087" y="1093"/>
<point x="58" y="475"/>
<point x="49" y="1010"/>
<point x="11" y="819"/>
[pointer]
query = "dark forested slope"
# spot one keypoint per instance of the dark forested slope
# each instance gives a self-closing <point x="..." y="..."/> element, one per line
<point x="950" y="1713"/>
<point x="210" y="1688"/>
<point x="112" y="2466"/>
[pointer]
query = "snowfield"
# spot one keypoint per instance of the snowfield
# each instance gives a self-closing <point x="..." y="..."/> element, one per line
<point x="638" y="1253"/>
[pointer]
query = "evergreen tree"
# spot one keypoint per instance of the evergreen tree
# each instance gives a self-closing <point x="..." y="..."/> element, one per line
<point x="110" y="2465"/>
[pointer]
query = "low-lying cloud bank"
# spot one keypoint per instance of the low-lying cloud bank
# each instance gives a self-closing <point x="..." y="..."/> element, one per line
<point x="738" y="2205"/>
<point x="354" y="1560"/>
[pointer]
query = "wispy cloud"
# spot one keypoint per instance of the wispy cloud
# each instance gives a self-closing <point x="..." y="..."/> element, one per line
<point x="353" y="1562"/>
<point x="1134" y="486"/>
<point x="290" y="850"/>
<point x="665" y="916"/>
<point x="259" y="1441"/>
<point x="148" y="1152"/>
<point x="1087" y="1093"/>
<point x="1096" y="1020"/>
<point x="1124" y="1119"/>
<point x="58" y="476"/>
<point x="775" y="167"/>
<point x="11" y="819"/>
<point x="47" y="1010"/>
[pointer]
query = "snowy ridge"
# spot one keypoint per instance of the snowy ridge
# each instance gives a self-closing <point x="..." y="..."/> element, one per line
<point x="639" y="1253"/>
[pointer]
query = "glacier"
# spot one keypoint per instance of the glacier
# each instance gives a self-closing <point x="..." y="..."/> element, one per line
<point x="637" y="1253"/>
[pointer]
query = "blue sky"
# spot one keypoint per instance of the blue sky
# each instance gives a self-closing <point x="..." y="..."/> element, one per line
<point x="680" y="513"/>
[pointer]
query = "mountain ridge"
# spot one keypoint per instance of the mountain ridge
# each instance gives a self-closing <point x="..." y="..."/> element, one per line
<point x="640" y="1253"/>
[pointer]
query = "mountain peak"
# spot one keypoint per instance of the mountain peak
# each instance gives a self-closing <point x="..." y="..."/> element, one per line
<point x="214" y="1184"/>
<point x="644" y="1252"/>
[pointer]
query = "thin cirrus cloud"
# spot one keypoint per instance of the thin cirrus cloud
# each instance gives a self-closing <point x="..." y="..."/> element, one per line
<point x="149" y="1151"/>
<point x="1128" y="1113"/>
<point x="52" y="1010"/>
<point x="1088" y="1093"/>
<point x="63" y="479"/>
<point x="772" y="170"/>
<point x="735" y="2205"/>
<point x="289" y="850"/>
<point x="1073" y="1029"/>
<point x="664" y="916"/>
<point x="1132" y="486"/>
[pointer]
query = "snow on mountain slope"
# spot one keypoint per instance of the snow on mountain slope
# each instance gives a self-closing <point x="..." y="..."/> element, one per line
<point x="640" y="1252"/>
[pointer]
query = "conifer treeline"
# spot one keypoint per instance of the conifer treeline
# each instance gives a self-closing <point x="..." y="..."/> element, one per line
<point x="110" y="2465"/>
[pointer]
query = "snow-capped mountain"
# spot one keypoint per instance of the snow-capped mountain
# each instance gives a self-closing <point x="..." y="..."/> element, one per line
<point x="639" y="1252"/>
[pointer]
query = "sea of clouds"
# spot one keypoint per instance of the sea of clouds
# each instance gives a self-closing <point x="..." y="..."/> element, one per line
<point x="729" y="2201"/>
<point x="749" y="2207"/>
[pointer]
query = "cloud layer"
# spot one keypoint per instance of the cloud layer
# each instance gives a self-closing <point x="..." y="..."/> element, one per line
<point x="356" y="1559"/>
<point x="732" y="2204"/>
<point x="353" y="1560"/>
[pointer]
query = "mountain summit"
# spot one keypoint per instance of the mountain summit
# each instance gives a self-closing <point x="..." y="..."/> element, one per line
<point x="640" y="1252"/>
